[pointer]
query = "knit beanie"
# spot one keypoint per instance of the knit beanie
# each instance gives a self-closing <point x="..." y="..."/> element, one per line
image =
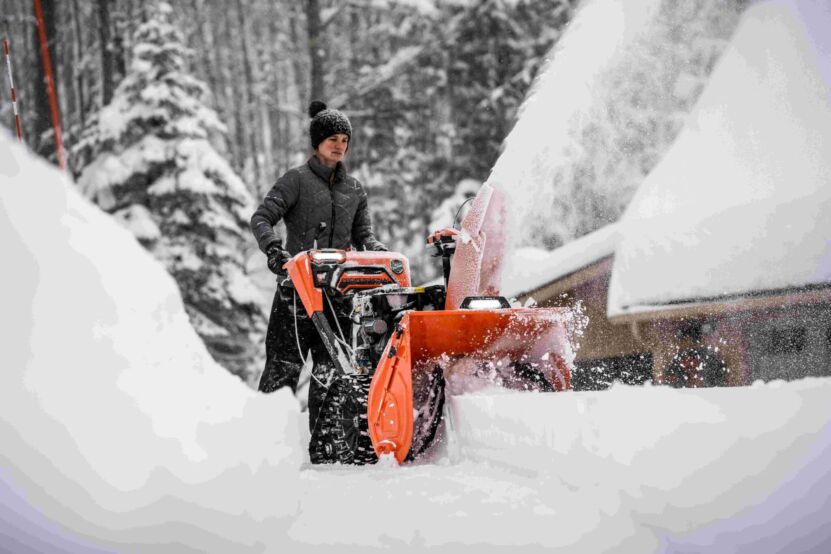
<point x="326" y="122"/>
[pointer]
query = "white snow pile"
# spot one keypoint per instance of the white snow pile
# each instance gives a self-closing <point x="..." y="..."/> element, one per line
<point x="117" y="428"/>
<point x="654" y="469"/>
<point x="741" y="201"/>
<point x="119" y="433"/>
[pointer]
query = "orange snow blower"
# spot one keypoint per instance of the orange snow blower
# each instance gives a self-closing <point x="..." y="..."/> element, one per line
<point x="379" y="386"/>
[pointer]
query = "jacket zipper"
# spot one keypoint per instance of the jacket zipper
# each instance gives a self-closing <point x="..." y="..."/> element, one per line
<point x="332" y="196"/>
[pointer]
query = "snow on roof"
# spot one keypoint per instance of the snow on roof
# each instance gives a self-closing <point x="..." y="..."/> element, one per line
<point x="531" y="268"/>
<point x="740" y="202"/>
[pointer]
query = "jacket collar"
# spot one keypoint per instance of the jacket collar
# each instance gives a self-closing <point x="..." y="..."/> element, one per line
<point x="331" y="176"/>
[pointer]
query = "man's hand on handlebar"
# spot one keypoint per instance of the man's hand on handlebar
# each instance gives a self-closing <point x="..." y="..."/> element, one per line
<point x="277" y="257"/>
<point x="442" y="235"/>
<point x="443" y="241"/>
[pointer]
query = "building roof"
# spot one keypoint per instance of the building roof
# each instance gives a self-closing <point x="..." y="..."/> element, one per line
<point x="530" y="269"/>
<point x="737" y="207"/>
<point x="740" y="202"/>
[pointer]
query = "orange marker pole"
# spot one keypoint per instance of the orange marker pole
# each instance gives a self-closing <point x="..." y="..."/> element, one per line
<point x="50" y="86"/>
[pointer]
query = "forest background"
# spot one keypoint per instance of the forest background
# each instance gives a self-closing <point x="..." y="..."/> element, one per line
<point x="431" y="87"/>
<point x="177" y="117"/>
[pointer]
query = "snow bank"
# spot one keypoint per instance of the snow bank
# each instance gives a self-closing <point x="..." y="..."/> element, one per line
<point x="631" y="469"/>
<point x="119" y="433"/>
<point x="654" y="469"/>
<point x="740" y="202"/>
<point x="117" y="427"/>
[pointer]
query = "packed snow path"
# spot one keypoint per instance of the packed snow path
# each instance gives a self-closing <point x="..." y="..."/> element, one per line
<point x="120" y="433"/>
<point x="625" y="470"/>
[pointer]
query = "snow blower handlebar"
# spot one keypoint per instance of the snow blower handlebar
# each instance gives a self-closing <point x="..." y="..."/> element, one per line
<point x="472" y="256"/>
<point x="443" y="243"/>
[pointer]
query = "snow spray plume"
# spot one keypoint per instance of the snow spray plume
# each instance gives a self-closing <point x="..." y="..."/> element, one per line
<point x="11" y="84"/>
<point x="50" y="86"/>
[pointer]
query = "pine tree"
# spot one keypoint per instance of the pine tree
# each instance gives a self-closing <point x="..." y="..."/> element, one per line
<point x="157" y="171"/>
<point x="438" y="91"/>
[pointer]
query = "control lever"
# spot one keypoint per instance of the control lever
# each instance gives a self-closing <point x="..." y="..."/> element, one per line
<point x="320" y="228"/>
<point x="444" y="243"/>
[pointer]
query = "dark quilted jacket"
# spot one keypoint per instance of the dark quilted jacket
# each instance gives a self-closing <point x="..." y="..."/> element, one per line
<point x="311" y="194"/>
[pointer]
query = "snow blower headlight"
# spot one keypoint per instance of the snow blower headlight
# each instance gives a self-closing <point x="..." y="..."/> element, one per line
<point x="328" y="256"/>
<point x="485" y="303"/>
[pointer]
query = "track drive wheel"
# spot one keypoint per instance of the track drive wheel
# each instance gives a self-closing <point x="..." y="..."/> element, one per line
<point x="428" y="401"/>
<point x="340" y="431"/>
<point x="531" y="378"/>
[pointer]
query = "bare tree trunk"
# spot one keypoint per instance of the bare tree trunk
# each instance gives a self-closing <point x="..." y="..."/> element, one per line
<point x="105" y="43"/>
<point x="208" y="56"/>
<point x="266" y="90"/>
<point x="77" y="60"/>
<point x="250" y="109"/>
<point x="207" y="50"/>
<point x="129" y="11"/>
<point x="300" y="71"/>
<point x="282" y="130"/>
<point x="119" y="52"/>
<point x="278" y="21"/>
<point x="236" y="137"/>
<point x="267" y="82"/>
<point x="65" y="66"/>
<point x="27" y="67"/>
<point x="316" y="49"/>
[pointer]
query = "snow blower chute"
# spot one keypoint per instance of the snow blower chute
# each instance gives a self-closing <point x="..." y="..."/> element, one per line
<point x="389" y="347"/>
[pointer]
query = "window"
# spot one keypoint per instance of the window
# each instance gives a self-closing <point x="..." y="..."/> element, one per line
<point x="788" y="340"/>
<point x="635" y="369"/>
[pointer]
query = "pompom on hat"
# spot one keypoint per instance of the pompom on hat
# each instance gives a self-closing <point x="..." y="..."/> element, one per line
<point x="326" y="122"/>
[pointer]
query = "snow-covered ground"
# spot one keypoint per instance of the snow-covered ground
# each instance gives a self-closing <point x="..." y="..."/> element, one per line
<point x="120" y="434"/>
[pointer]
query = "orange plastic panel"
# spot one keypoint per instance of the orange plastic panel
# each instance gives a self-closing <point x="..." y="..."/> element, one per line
<point x="535" y="335"/>
<point x="390" y="401"/>
<point x="300" y="272"/>
<point x="361" y="257"/>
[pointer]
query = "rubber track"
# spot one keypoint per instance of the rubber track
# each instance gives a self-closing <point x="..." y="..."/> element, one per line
<point x="342" y="434"/>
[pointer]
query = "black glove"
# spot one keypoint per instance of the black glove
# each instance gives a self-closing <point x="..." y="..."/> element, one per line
<point x="277" y="257"/>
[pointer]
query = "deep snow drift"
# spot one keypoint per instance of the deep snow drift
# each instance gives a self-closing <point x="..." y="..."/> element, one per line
<point x="120" y="434"/>
<point x="115" y="422"/>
